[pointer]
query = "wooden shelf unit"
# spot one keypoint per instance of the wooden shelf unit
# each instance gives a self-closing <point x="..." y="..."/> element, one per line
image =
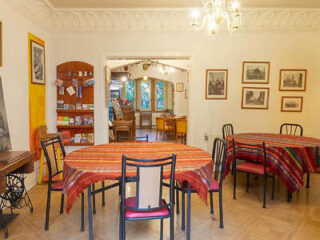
<point x="67" y="72"/>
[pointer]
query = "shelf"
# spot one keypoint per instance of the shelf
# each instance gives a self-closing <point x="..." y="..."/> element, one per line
<point x="74" y="111"/>
<point x="74" y="126"/>
<point x="78" y="144"/>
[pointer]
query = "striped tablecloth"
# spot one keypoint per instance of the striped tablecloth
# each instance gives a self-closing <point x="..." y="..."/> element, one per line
<point x="288" y="156"/>
<point x="96" y="163"/>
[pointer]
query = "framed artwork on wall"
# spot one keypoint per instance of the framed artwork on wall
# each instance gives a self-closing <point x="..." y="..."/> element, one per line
<point x="255" y="72"/>
<point x="255" y="98"/>
<point x="291" y="104"/>
<point x="293" y="80"/>
<point x="216" y="83"/>
<point x="0" y="44"/>
<point x="37" y="63"/>
<point x="179" y="87"/>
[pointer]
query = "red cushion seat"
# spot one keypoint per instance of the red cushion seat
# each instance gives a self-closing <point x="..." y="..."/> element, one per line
<point x="214" y="185"/>
<point x="254" y="168"/>
<point x="317" y="169"/>
<point x="131" y="202"/>
<point x="58" y="185"/>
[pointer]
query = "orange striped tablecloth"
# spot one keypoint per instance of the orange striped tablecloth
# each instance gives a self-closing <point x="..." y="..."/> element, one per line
<point x="97" y="163"/>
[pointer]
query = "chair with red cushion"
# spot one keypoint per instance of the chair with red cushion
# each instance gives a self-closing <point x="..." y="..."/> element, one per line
<point x="148" y="203"/>
<point x="256" y="164"/>
<point x="49" y="148"/>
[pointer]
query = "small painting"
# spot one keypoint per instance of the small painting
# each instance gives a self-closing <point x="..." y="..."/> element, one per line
<point x="255" y="98"/>
<point x="179" y="87"/>
<point x="255" y="72"/>
<point x="293" y="80"/>
<point x="5" y="143"/>
<point x="37" y="63"/>
<point x="216" y="83"/>
<point x="291" y="104"/>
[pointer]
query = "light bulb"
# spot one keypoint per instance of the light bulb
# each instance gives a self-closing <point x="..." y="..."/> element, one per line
<point x="145" y="77"/>
<point x="124" y="78"/>
<point x="235" y="5"/>
<point x="195" y="13"/>
<point x="212" y="28"/>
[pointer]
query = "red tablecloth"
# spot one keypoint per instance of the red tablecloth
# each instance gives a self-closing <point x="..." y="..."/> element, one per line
<point x="96" y="163"/>
<point x="288" y="156"/>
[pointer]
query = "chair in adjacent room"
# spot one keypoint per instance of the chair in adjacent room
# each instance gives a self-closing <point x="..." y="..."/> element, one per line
<point x="148" y="203"/>
<point x="227" y="130"/>
<point x="256" y="164"/>
<point x="181" y="129"/>
<point x="166" y="125"/>
<point x="136" y="139"/>
<point x="49" y="148"/>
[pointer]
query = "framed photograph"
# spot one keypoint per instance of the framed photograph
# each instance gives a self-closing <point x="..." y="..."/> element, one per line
<point x="37" y="63"/>
<point x="291" y="104"/>
<point x="179" y="87"/>
<point x="216" y="83"/>
<point x="0" y="44"/>
<point x="293" y="80"/>
<point x="255" y="98"/>
<point x="255" y="72"/>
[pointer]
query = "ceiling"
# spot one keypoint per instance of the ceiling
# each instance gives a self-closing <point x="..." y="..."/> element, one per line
<point x="179" y="3"/>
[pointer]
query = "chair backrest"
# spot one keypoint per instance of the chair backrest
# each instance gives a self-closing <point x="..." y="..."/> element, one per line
<point x="169" y="123"/>
<point x="49" y="148"/>
<point x="181" y="125"/>
<point x="160" y="123"/>
<point x="137" y="139"/>
<point x="291" y="129"/>
<point x="149" y="177"/>
<point x="227" y="130"/>
<point x="250" y="152"/>
<point x="219" y="153"/>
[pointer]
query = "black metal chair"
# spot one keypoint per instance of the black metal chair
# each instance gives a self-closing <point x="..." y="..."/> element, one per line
<point x="256" y="163"/>
<point x="148" y="203"/>
<point x="219" y="152"/>
<point x="49" y="148"/>
<point x="227" y="130"/>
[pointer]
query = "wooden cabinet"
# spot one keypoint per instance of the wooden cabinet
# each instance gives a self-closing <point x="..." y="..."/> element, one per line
<point x="75" y="102"/>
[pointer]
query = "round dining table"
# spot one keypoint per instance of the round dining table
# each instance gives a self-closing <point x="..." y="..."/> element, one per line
<point x="92" y="164"/>
<point x="288" y="156"/>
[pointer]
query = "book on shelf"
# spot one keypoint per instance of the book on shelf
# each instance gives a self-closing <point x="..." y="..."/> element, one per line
<point x="91" y="106"/>
<point x="65" y="121"/>
<point x="65" y="136"/>
<point x="79" y="105"/>
<point x="85" y="106"/>
<point x="60" y="104"/>
<point x="90" y="137"/>
<point x="71" y="121"/>
<point x="88" y="120"/>
<point x="77" y="138"/>
<point x="72" y="140"/>
<point x="61" y="90"/>
<point x="66" y="106"/>
<point x="84" y="138"/>
<point x="60" y="120"/>
<point x="78" y="121"/>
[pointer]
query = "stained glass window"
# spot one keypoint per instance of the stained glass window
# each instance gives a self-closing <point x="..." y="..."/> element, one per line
<point x="160" y="100"/>
<point x="130" y="90"/>
<point x="145" y="95"/>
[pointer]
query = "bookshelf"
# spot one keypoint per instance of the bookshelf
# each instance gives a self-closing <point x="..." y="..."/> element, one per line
<point x="75" y="103"/>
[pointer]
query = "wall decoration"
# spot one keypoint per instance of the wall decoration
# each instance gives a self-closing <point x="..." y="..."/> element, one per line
<point x="5" y="142"/>
<point x="38" y="73"/>
<point x="37" y="103"/>
<point x="1" y="44"/>
<point x="293" y="80"/>
<point x="255" y="72"/>
<point x="179" y="87"/>
<point x="255" y="98"/>
<point x="216" y="83"/>
<point x="291" y="104"/>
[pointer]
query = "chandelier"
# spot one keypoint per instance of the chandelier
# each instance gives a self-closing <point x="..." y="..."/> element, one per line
<point x="214" y="13"/>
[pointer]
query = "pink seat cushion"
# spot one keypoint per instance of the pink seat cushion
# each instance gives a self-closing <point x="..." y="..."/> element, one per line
<point x="58" y="185"/>
<point x="214" y="185"/>
<point x="254" y="168"/>
<point x="317" y="169"/>
<point x="131" y="202"/>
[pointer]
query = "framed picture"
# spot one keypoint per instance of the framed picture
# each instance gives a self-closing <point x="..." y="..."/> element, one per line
<point x="179" y="87"/>
<point x="291" y="104"/>
<point x="255" y="72"/>
<point x="0" y="44"/>
<point x="216" y="83"/>
<point x="255" y="98"/>
<point x="37" y="63"/>
<point x="293" y="80"/>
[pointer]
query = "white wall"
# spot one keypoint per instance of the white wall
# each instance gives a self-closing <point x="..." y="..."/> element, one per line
<point x="14" y="73"/>
<point x="283" y="50"/>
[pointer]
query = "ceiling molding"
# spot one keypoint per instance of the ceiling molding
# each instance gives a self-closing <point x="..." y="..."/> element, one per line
<point x="41" y="12"/>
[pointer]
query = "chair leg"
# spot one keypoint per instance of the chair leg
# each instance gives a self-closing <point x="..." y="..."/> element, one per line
<point x="189" y="213"/>
<point x="161" y="229"/>
<point x="90" y="213"/>
<point x="93" y="199"/>
<point x="308" y="180"/>
<point x="211" y="203"/>
<point x="61" y="204"/>
<point x="171" y="223"/>
<point x="221" y="209"/>
<point x="289" y="196"/>
<point x="234" y="183"/>
<point x="82" y="212"/>
<point x="177" y="200"/>
<point x="156" y="134"/>
<point x="272" y="195"/>
<point x="120" y="224"/>
<point x="103" y="195"/>
<point x="248" y="179"/>
<point x="264" y="190"/>
<point x="46" y="227"/>
<point x="183" y="211"/>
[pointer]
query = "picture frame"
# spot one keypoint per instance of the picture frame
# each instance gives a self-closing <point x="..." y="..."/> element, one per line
<point x="291" y="104"/>
<point x="216" y="84"/>
<point x="293" y="80"/>
<point x="255" y="72"/>
<point x="38" y="71"/>
<point x="1" y="51"/>
<point x="255" y="98"/>
<point x="179" y="87"/>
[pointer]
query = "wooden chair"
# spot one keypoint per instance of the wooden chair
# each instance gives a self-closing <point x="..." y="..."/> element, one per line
<point x="136" y="139"/>
<point x="165" y="125"/>
<point x="181" y="129"/>
<point x="122" y="126"/>
<point x="148" y="203"/>
<point x="49" y="149"/>
<point x="252" y="166"/>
